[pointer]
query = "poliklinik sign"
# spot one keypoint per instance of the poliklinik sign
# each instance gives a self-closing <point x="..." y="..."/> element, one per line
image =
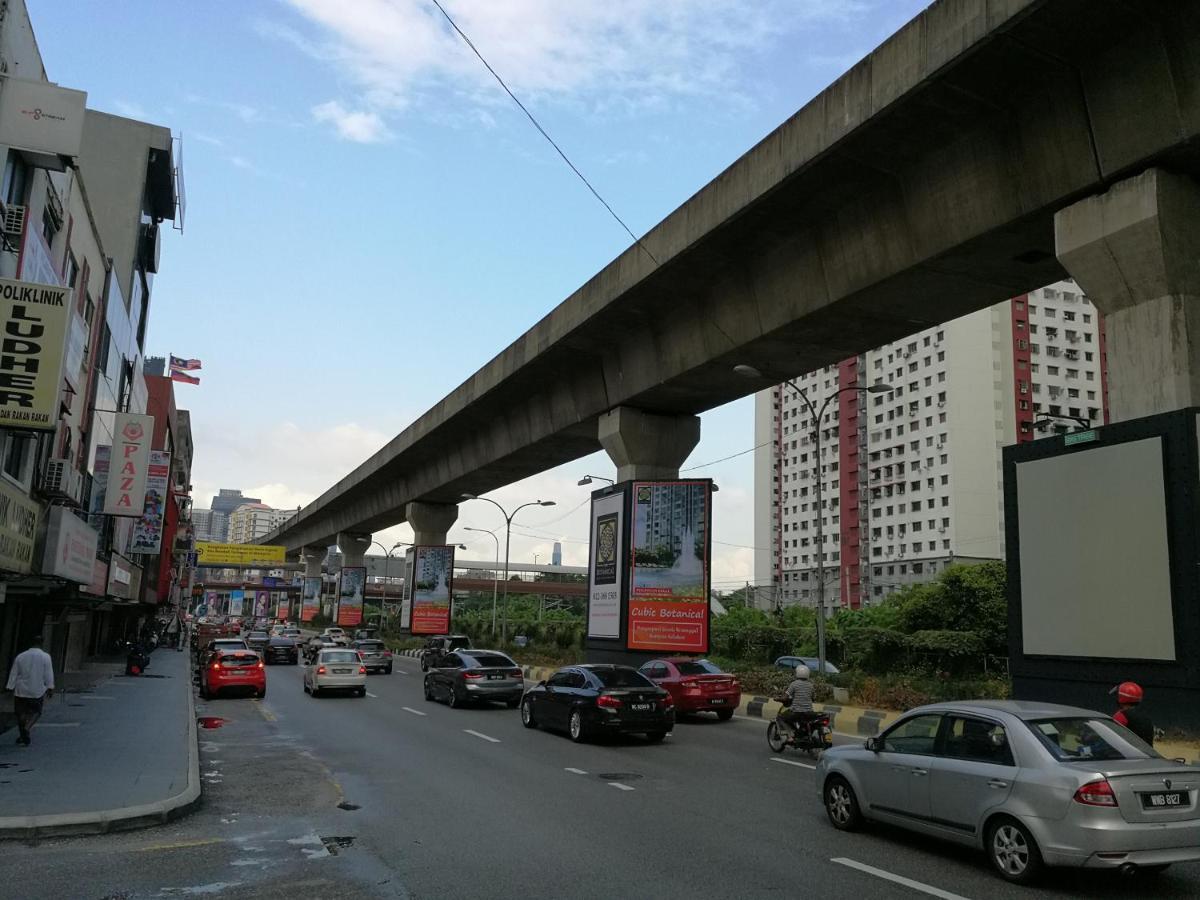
<point x="128" y="466"/>
<point x="35" y="318"/>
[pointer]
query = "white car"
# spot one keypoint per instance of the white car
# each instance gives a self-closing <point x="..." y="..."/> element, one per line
<point x="337" y="635"/>
<point x="336" y="669"/>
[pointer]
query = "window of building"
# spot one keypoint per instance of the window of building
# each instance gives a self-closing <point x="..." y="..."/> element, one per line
<point x="18" y="451"/>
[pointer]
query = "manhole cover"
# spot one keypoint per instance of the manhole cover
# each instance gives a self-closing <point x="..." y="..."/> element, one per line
<point x="211" y="722"/>
<point x="336" y="843"/>
<point x="349" y="807"/>
<point x="618" y="776"/>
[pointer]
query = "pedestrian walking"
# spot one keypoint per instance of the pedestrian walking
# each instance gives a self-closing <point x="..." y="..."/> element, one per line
<point x="31" y="681"/>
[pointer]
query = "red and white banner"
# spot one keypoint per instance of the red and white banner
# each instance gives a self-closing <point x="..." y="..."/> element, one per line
<point x="432" y="589"/>
<point x="129" y="465"/>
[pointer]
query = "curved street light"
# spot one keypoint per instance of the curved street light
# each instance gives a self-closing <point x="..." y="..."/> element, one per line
<point x="588" y="479"/>
<point x="817" y="416"/>
<point x="387" y="558"/>
<point x="508" y="520"/>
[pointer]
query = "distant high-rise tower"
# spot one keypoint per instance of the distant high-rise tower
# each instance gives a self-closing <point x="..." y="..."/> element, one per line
<point x="556" y="554"/>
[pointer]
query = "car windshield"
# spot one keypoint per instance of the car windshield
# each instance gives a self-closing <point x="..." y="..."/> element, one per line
<point x="493" y="661"/>
<point x="622" y="678"/>
<point x="339" y="656"/>
<point x="370" y="645"/>
<point x="1084" y="739"/>
<point x="698" y="667"/>
<point x="257" y="634"/>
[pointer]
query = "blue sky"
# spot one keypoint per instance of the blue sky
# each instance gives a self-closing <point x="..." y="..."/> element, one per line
<point x="370" y="219"/>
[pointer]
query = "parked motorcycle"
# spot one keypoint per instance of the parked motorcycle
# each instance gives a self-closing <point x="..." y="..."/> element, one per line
<point x="812" y="735"/>
<point x="137" y="659"/>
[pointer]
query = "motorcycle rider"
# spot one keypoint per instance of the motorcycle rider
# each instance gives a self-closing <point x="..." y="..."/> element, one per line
<point x="1130" y="714"/>
<point x="800" y="692"/>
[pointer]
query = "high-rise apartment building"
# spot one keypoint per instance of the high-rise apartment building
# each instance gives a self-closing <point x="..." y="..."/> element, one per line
<point x="911" y="477"/>
<point x="252" y="521"/>
<point x="210" y="525"/>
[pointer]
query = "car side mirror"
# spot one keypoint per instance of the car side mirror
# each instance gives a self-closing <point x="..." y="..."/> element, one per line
<point x="873" y="745"/>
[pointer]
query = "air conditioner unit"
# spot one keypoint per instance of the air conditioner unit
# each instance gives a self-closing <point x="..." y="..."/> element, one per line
<point x="61" y="480"/>
<point x="14" y="219"/>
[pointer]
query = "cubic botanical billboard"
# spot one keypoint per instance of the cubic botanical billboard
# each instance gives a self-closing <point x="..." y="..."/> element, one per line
<point x="433" y="585"/>
<point x="310" y="599"/>
<point x="669" y="569"/>
<point x="351" y="585"/>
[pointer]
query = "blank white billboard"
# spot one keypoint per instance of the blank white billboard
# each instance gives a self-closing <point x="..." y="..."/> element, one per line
<point x="1095" y="575"/>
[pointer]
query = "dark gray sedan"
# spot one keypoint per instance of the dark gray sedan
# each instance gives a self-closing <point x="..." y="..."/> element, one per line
<point x="468" y="676"/>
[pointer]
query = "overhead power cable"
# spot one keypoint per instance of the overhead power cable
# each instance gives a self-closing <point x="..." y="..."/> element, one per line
<point x="725" y="458"/>
<point x="542" y="131"/>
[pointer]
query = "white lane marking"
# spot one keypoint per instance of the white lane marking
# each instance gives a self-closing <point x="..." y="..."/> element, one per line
<point x="619" y="786"/>
<point x="482" y="736"/>
<point x="375" y="696"/>
<point x="400" y="672"/>
<point x="56" y="725"/>
<point x="575" y="771"/>
<point x="792" y="762"/>
<point x="90" y="697"/>
<point x="898" y="879"/>
<point x="415" y="712"/>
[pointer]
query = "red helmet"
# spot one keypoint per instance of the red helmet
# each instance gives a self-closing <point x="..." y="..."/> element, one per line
<point x="1129" y="692"/>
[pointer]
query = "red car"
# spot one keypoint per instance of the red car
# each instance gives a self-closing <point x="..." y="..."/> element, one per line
<point x="695" y="684"/>
<point x="229" y="669"/>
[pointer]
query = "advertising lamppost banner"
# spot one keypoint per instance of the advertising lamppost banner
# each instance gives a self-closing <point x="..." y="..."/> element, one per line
<point x="351" y="586"/>
<point x="35" y="318"/>
<point x="433" y="589"/>
<point x="669" y="568"/>
<point x="147" y="531"/>
<point x="606" y="568"/>
<point x="262" y="600"/>
<point x="129" y="465"/>
<point x="310" y="599"/>
<point x="406" y="597"/>
<point x="281" y="608"/>
<point x="235" y="602"/>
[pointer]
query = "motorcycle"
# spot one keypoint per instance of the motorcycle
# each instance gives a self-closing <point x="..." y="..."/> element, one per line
<point x="137" y="659"/>
<point x="813" y="735"/>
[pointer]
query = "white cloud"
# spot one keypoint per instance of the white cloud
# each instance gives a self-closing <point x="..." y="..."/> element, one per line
<point x="352" y="125"/>
<point x="610" y="53"/>
<point x="130" y="109"/>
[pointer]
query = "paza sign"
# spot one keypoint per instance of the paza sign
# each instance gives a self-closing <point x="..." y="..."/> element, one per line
<point x="128" y="466"/>
<point x="34" y="320"/>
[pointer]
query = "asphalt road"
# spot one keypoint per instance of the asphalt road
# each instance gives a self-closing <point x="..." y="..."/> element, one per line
<point x="448" y="803"/>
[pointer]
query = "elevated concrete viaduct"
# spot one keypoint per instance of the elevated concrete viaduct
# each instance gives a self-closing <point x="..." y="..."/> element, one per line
<point x="921" y="185"/>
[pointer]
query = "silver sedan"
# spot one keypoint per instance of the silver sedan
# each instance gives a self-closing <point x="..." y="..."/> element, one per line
<point x="1031" y="784"/>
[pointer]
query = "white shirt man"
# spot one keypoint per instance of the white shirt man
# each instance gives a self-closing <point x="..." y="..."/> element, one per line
<point x="31" y="680"/>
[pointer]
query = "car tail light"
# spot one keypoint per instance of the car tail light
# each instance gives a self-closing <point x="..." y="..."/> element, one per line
<point x="362" y="670"/>
<point x="320" y="670"/>
<point x="604" y="701"/>
<point x="260" y="663"/>
<point x="1096" y="793"/>
<point x="667" y="702"/>
<point x="387" y="653"/>
<point x="216" y="667"/>
<point x="472" y="675"/>
<point x="518" y="674"/>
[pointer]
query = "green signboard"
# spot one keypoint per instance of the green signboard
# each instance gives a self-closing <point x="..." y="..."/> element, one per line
<point x="1080" y="437"/>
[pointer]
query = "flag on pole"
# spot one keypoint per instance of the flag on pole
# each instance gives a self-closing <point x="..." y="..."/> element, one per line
<point x="186" y="365"/>
<point x="184" y="377"/>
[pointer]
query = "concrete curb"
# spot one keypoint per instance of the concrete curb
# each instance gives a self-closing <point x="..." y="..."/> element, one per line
<point x="122" y="818"/>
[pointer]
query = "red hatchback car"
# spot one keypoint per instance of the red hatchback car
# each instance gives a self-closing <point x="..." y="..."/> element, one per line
<point x="695" y="685"/>
<point x="229" y="669"/>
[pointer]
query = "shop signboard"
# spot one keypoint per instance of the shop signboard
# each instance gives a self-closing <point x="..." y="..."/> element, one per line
<point x="120" y="577"/>
<point x="351" y="585"/>
<point x="605" y="566"/>
<point x="433" y="589"/>
<point x="129" y="465"/>
<point x="70" y="550"/>
<point x="35" y="318"/>
<point x="147" y="531"/>
<point x="669" y="568"/>
<point x="18" y="528"/>
<point x="98" y="581"/>
<point x="310" y="600"/>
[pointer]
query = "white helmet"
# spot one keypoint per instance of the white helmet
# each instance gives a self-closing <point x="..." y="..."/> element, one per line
<point x="802" y="672"/>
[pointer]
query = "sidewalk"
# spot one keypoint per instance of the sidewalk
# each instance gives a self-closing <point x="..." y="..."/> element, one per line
<point x="121" y="753"/>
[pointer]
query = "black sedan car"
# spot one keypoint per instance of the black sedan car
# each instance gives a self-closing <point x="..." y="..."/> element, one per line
<point x="281" y="650"/>
<point x="595" y="699"/>
<point x="472" y="676"/>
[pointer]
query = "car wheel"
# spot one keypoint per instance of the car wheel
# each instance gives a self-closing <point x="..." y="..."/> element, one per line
<point x="527" y="718"/>
<point x="575" y="727"/>
<point x="295" y="660"/>
<point x="1013" y="852"/>
<point x="261" y="694"/>
<point x="841" y="805"/>
<point x="428" y="692"/>
<point x="452" y="698"/>
<point x="656" y="737"/>
<point x="776" y="740"/>
<point x="315" y="692"/>
<point x="362" y="692"/>
<point x="424" y="666"/>
<point x="203" y="691"/>
<point x="387" y="671"/>
<point x="724" y="715"/>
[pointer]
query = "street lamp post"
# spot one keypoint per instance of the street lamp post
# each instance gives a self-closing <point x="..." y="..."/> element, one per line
<point x="588" y="479"/>
<point x="508" y="520"/>
<point x="817" y="416"/>
<point x="387" y="559"/>
<point x="495" y="571"/>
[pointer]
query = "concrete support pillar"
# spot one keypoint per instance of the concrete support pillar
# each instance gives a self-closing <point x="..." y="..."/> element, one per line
<point x="313" y="557"/>
<point x="430" y="521"/>
<point x="354" y="547"/>
<point x="646" y="446"/>
<point x="1135" y="251"/>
